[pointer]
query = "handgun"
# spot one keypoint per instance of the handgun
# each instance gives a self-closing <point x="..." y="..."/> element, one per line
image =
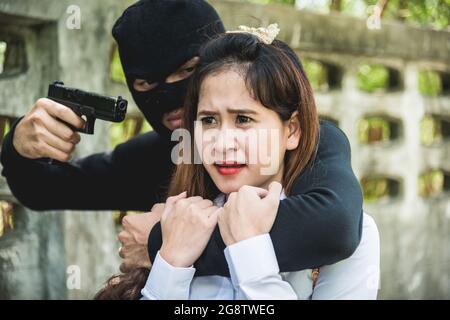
<point x="88" y="105"/>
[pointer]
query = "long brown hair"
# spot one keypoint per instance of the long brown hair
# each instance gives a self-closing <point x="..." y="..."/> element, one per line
<point x="275" y="77"/>
<point x="125" y="286"/>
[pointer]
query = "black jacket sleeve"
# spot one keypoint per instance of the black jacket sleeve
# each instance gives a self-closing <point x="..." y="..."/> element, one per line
<point x="318" y="224"/>
<point x="129" y="178"/>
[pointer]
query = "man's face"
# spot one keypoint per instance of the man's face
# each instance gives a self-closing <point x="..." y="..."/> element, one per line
<point x="171" y="120"/>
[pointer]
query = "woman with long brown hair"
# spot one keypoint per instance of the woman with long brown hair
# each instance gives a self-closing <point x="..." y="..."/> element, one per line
<point x="248" y="93"/>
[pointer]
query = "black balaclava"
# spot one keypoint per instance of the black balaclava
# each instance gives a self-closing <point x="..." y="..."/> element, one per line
<point x="155" y="38"/>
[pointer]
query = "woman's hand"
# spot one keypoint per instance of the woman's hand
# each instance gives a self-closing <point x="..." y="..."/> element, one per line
<point x="186" y="225"/>
<point x="249" y="212"/>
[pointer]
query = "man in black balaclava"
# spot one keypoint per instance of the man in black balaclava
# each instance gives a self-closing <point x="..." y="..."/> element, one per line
<point x="158" y="42"/>
<point x="157" y="65"/>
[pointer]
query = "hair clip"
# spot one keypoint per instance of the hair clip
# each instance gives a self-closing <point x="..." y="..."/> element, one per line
<point x="266" y="35"/>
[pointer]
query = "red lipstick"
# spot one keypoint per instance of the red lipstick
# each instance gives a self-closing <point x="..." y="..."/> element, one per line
<point x="229" y="168"/>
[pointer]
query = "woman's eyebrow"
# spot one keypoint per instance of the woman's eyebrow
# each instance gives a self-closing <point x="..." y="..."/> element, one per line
<point x="206" y="113"/>
<point x="246" y="111"/>
<point x="230" y="110"/>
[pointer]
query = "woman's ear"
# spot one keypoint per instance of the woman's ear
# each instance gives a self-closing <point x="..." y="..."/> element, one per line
<point x="294" y="132"/>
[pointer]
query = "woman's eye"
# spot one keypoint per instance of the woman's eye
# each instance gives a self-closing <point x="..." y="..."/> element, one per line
<point x="208" y="120"/>
<point x="189" y="69"/>
<point x="243" y="119"/>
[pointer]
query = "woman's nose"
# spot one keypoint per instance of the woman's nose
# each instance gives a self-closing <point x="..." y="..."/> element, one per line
<point x="226" y="140"/>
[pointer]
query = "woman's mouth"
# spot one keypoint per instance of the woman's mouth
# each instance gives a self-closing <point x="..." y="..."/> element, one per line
<point x="229" y="168"/>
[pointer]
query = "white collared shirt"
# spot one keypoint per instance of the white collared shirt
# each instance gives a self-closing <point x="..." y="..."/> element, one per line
<point x="255" y="274"/>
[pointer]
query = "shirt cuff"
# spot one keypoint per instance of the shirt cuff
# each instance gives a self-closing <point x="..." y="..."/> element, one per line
<point x="8" y="146"/>
<point x="251" y="259"/>
<point x="166" y="282"/>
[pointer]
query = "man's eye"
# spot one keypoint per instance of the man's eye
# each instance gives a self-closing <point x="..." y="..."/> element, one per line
<point x="208" y="120"/>
<point x="143" y="85"/>
<point x="243" y="119"/>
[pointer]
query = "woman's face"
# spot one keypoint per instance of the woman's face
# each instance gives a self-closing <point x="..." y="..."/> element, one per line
<point x="241" y="142"/>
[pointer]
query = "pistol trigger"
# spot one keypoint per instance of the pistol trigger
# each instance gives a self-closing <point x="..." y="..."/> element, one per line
<point x="89" y="127"/>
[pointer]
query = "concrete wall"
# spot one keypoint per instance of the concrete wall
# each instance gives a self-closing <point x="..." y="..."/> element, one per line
<point x="34" y="257"/>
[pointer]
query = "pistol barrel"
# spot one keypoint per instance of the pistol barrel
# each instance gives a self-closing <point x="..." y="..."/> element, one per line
<point x="88" y="103"/>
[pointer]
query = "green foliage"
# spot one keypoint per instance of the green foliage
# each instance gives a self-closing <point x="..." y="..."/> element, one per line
<point x="373" y="78"/>
<point x="429" y="83"/>
<point x="6" y="128"/>
<point x="2" y="55"/>
<point x="289" y="2"/>
<point x="123" y="131"/>
<point x="430" y="13"/>
<point x="317" y="74"/>
<point x="430" y="130"/>
<point x="375" y="188"/>
<point x="373" y="130"/>
<point x="116" y="70"/>
<point x="431" y="183"/>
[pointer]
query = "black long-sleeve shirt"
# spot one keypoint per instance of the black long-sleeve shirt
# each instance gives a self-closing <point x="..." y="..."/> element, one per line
<point x="318" y="224"/>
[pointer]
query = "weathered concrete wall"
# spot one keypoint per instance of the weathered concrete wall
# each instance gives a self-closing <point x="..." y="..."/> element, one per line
<point x="36" y="255"/>
<point x="414" y="231"/>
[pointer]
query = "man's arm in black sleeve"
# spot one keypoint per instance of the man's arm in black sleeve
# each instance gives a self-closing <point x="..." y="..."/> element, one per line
<point x="101" y="181"/>
<point x="318" y="224"/>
